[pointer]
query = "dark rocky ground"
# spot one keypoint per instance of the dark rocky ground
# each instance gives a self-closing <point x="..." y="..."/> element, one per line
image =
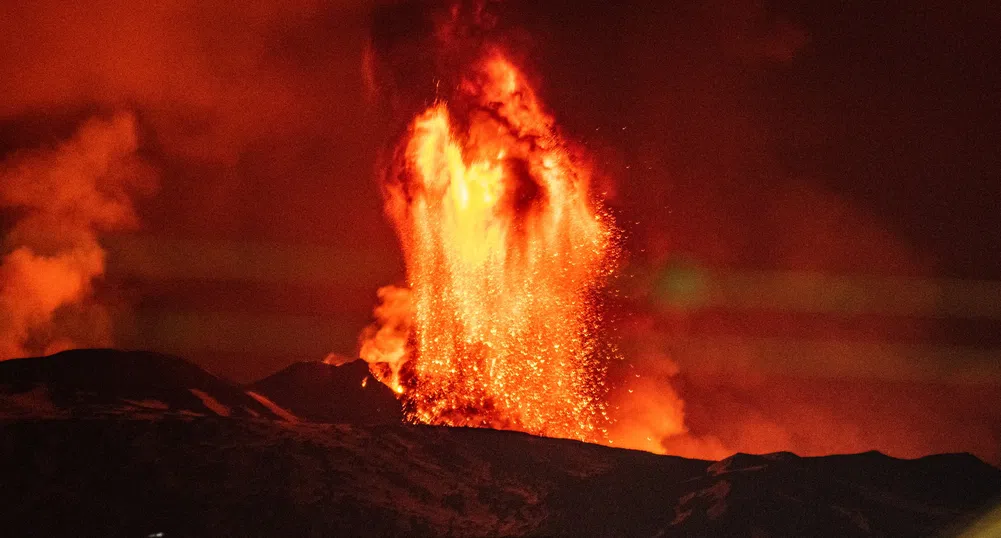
<point x="321" y="392"/>
<point x="84" y="461"/>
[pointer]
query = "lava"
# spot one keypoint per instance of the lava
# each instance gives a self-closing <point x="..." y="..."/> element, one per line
<point x="506" y="249"/>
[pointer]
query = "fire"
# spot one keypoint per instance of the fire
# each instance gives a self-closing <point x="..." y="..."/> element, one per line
<point x="505" y="250"/>
<point x="384" y="344"/>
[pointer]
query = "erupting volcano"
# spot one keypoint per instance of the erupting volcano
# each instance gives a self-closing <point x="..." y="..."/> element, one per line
<point x="506" y="248"/>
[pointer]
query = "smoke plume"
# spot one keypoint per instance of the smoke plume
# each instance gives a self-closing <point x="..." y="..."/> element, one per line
<point x="62" y="198"/>
<point x="383" y="344"/>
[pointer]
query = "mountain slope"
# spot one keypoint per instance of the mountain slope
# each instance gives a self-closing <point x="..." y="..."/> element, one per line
<point x="109" y="443"/>
<point x="211" y="477"/>
<point x="101" y="382"/>
<point x="320" y="392"/>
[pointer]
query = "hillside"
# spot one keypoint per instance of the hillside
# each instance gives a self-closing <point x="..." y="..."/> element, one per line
<point x="123" y="445"/>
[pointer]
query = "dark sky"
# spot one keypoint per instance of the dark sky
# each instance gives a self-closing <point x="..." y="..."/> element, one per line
<point x="740" y="142"/>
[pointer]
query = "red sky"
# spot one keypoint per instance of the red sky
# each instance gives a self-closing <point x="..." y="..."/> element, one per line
<point x="739" y="142"/>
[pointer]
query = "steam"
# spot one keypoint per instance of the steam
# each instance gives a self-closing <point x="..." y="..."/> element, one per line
<point x="64" y="197"/>
<point x="384" y="342"/>
<point x="646" y="412"/>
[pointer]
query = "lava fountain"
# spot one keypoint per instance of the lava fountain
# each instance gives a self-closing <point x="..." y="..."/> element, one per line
<point x="506" y="249"/>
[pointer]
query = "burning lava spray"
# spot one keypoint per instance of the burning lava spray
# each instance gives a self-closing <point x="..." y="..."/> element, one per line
<point x="506" y="249"/>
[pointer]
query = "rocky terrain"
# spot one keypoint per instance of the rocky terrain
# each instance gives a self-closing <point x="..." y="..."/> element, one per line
<point x="107" y="443"/>
<point x="320" y="392"/>
<point x="91" y="383"/>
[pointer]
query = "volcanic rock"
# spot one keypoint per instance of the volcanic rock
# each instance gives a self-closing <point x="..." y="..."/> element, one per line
<point x="110" y="443"/>
<point x="210" y="476"/>
<point x="321" y="392"/>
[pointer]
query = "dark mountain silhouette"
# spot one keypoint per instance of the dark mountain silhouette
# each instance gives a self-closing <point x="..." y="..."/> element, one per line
<point x="94" y="382"/>
<point x="90" y="463"/>
<point x="320" y="392"/>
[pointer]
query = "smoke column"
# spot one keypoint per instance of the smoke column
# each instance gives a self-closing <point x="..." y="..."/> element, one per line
<point x="61" y="199"/>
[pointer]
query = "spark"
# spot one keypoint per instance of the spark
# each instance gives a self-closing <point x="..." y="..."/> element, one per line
<point x="505" y="247"/>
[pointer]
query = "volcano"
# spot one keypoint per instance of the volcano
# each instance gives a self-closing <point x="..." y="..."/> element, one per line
<point x="112" y="443"/>
<point x="321" y="392"/>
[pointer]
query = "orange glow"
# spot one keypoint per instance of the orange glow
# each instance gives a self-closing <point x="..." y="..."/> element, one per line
<point x="505" y="249"/>
<point x="384" y="344"/>
<point x="67" y="196"/>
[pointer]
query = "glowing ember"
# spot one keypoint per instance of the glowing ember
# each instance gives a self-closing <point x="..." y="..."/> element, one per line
<point x="504" y="250"/>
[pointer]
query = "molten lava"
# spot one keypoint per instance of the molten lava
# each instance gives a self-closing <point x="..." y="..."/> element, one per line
<point x="505" y="250"/>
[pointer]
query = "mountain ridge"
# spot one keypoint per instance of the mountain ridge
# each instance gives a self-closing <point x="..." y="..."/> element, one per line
<point x="98" y="382"/>
<point x="89" y="472"/>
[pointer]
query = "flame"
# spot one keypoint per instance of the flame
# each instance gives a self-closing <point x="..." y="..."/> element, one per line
<point x="384" y="344"/>
<point x="505" y="250"/>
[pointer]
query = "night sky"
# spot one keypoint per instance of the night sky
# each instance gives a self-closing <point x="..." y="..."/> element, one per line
<point x="809" y="193"/>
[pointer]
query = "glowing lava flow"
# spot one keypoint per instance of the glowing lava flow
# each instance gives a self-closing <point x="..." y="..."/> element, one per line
<point x="505" y="250"/>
